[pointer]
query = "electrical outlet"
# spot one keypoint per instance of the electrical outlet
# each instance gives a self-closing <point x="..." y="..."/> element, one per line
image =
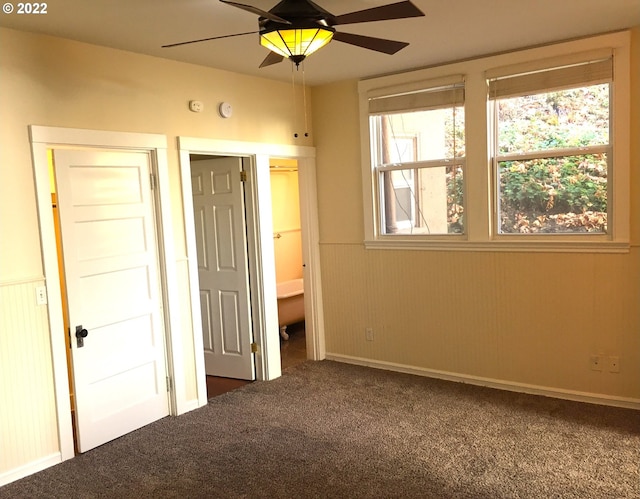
<point x="368" y="334"/>
<point x="614" y="364"/>
<point x="596" y="361"/>
<point x="196" y="106"/>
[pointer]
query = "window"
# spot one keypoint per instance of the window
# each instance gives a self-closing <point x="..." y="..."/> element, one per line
<point x="552" y="153"/>
<point x="417" y="151"/>
<point x="521" y="151"/>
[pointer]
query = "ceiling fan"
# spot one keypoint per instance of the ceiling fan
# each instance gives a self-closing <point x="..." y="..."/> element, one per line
<point x="294" y="29"/>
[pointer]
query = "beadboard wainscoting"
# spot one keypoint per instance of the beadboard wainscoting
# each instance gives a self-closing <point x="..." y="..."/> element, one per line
<point x="527" y="321"/>
<point x="28" y="424"/>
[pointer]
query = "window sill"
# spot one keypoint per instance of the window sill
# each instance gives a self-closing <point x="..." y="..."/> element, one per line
<point x="501" y="246"/>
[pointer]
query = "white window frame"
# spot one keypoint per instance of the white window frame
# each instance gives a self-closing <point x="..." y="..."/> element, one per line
<point x="542" y="81"/>
<point x="480" y="195"/>
<point x="438" y="93"/>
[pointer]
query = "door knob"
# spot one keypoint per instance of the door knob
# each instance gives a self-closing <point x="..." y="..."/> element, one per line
<point x="81" y="334"/>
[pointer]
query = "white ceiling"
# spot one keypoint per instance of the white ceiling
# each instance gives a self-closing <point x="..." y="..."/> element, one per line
<point x="451" y="30"/>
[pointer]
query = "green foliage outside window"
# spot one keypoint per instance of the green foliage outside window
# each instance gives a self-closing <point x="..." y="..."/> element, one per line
<point x="554" y="194"/>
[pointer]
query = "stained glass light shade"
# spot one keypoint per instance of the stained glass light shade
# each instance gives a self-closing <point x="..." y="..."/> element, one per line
<point x="296" y="43"/>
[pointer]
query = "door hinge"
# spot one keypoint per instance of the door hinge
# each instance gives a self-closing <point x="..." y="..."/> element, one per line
<point x="169" y="384"/>
<point x="153" y="181"/>
<point x="243" y="176"/>
<point x="254" y="347"/>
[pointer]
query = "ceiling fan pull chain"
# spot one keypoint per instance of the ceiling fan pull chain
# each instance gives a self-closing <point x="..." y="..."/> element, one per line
<point x="304" y="102"/>
<point x="294" y="100"/>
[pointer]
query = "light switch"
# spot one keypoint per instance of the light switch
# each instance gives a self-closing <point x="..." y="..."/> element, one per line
<point x="41" y="295"/>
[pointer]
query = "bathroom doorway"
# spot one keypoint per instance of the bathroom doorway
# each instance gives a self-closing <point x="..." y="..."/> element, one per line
<point x="263" y="295"/>
<point x="289" y="262"/>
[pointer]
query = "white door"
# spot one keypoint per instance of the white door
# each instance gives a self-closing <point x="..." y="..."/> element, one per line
<point x="223" y="267"/>
<point x="111" y="268"/>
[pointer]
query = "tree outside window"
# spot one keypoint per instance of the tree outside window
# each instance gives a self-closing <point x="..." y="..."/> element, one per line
<point x="553" y="161"/>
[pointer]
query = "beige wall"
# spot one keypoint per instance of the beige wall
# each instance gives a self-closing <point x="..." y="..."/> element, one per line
<point x="55" y="82"/>
<point x="517" y="318"/>
<point x="62" y="83"/>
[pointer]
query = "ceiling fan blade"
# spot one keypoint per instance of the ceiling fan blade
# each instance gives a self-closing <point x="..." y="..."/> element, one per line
<point x="272" y="58"/>
<point x="368" y="42"/>
<point x="399" y="10"/>
<point x="256" y="10"/>
<point x="210" y="38"/>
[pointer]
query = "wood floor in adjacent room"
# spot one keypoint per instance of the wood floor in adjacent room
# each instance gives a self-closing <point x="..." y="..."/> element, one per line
<point x="292" y="352"/>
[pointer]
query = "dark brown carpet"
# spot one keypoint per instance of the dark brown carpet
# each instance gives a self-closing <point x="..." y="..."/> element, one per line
<point x="327" y="429"/>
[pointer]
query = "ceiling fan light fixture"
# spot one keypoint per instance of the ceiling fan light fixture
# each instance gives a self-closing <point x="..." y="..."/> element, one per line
<point x="296" y="43"/>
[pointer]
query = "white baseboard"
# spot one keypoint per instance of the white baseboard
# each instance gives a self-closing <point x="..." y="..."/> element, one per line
<point x="591" y="398"/>
<point x="29" y="468"/>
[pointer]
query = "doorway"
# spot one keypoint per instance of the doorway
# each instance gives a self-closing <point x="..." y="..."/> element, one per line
<point x="260" y="236"/>
<point x="148" y="153"/>
<point x="219" y="196"/>
<point x="289" y="265"/>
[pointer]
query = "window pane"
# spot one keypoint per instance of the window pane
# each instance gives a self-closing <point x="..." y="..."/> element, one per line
<point x="554" y="195"/>
<point x="419" y="136"/>
<point x="576" y="117"/>
<point x="422" y="201"/>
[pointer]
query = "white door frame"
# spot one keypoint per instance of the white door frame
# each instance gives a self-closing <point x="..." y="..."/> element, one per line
<point x="44" y="138"/>
<point x="262" y="268"/>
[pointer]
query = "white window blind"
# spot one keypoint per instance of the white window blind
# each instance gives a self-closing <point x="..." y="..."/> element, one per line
<point x="583" y="74"/>
<point x="419" y="100"/>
